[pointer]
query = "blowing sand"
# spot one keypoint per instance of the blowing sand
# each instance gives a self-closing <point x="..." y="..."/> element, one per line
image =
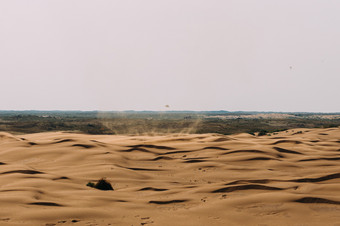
<point x="286" y="179"/>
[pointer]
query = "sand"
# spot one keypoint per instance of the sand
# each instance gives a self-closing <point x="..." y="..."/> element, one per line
<point x="291" y="178"/>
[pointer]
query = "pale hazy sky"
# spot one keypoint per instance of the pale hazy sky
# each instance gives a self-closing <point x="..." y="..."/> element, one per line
<point x="263" y="55"/>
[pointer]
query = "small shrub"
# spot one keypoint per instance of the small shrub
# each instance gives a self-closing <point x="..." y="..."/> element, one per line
<point x="102" y="184"/>
<point x="262" y="132"/>
<point x="90" y="184"/>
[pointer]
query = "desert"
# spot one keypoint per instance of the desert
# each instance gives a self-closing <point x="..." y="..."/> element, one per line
<point x="285" y="178"/>
<point x="169" y="113"/>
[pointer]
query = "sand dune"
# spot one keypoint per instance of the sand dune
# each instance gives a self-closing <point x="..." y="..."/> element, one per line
<point x="203" y="179"/>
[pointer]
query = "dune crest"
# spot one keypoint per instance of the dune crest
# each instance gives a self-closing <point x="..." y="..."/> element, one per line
<point x="199" y="179"/>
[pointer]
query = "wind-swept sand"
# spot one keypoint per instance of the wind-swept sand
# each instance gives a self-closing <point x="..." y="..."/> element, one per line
<point x="286" y="179"/>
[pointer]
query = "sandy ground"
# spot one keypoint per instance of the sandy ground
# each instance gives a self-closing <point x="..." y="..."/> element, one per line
<point x="208" y="179"/>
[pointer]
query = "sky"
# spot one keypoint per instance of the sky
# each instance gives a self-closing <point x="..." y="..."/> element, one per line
<point x="234" y="55"/>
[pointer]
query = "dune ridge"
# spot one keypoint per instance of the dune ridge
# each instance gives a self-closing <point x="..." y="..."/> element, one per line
<point x="288" y="178"/>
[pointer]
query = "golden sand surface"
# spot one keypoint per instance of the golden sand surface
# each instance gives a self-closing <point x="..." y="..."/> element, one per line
<point x="291" y="178"/>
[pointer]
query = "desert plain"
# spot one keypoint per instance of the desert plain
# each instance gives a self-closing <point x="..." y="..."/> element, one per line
<point x="288" y="178"/>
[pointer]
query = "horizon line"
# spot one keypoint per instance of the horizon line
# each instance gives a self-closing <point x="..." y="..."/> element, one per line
<point x="174" y="111"/>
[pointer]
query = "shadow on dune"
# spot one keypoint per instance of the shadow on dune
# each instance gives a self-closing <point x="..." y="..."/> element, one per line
<point x="302" y="180"/>
<point x="23" y="172"/>
<point x="32" y="143"/>
<point x="318" y="179"/>
<point x="245" y="187"/>
<point x="287" y="141"/>
<point x="282" y="150"/>
<point x="153" y="189"/>
<point x="244" y="151"/>
<point x="221" y="139"/>
<point x="317" y="200"/>
<point x="61" y="178"/>
<point x="168" y="202"/>
<point x="195" y="161"/>
<point x="175" y="152"/>
<point x="151" y="146"/>
<point x="63" y="141"/>
<point x="138" y="149"/>
<point x="44" y="204"/>
<point x="215" y="148"/>
<point x="261" y="158"/>
<point x="162" y="158"/>
<point x="139" y="169"/>
<point x="317" y="159"/>
<point x="83" y="145"/>
<point x="263" y="181"/>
